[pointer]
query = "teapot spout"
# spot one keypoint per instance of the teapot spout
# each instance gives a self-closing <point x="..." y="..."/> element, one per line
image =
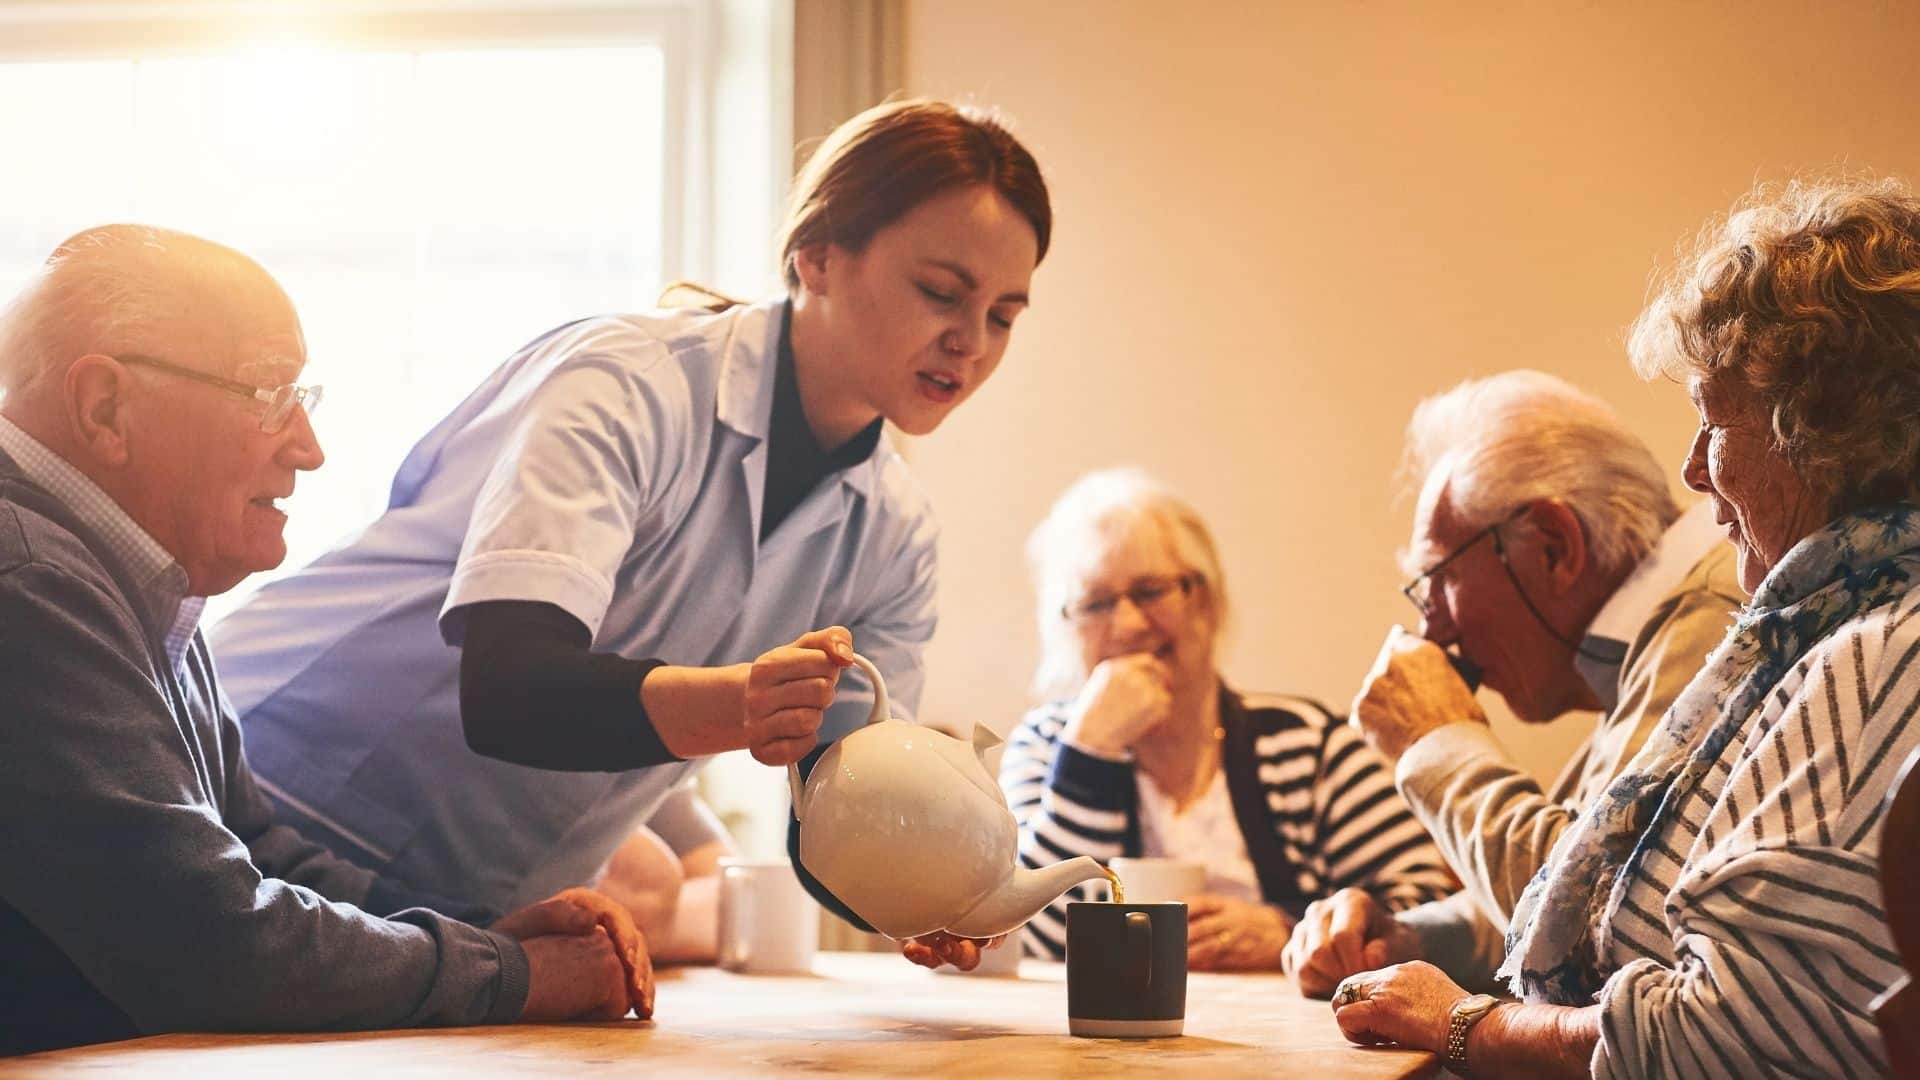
<point x="1022" y="896"/>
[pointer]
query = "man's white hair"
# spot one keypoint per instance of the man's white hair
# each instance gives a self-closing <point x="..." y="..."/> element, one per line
<point x="1505" y="441"/>
<point x="101" y="290"/>
<point x="1097" y="515"/>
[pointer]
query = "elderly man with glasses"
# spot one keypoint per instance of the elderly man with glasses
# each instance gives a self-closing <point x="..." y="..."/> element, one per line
<point x="1550" y="561"/>
<point x="149" y="427"/>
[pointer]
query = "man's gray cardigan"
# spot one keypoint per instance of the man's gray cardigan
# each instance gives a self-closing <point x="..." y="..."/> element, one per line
<point x="143" y="885"/>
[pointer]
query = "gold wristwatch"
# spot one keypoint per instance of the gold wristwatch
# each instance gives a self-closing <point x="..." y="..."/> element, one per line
<point x="1466" y="1013"/>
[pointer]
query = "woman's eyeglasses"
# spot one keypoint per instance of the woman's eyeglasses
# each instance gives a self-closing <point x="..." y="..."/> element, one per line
<point x="1148" y="595"/>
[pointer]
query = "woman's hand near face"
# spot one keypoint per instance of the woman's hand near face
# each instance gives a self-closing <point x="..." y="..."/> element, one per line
<point x="1233" y="935"/>
<point x="788" y="691"/>
<point x="1125" y="698"/>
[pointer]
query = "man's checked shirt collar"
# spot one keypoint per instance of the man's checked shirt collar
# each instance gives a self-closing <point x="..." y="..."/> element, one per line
<point x="158" y="573"/>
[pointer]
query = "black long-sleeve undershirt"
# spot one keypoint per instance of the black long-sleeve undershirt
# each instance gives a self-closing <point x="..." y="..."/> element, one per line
<point x="532" y="692"/>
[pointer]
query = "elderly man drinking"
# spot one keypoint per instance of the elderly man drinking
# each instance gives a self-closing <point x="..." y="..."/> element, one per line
<point x="1548" y="551"/>
<point x="150" y="425"/>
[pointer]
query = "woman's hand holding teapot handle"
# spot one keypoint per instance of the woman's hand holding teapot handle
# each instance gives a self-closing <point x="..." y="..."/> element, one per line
<point x="1125" y="698"/>
<point x="788" y="691"/>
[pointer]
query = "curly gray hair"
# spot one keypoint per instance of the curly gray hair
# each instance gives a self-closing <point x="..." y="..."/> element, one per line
<point x="1808" y="292"/>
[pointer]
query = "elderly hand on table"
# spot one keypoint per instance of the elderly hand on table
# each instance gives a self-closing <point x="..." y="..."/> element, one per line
<point x="1408" y="1004"/>
<point x="585" y="958"/>
<point x="1411" y="690"/>
<point x="1346" y="933"/>
<point x="1224" y="934"/>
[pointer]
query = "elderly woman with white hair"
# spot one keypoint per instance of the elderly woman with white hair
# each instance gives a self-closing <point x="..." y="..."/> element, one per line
<point x="1146" y="751"/>
<point x="1716" y="911"/>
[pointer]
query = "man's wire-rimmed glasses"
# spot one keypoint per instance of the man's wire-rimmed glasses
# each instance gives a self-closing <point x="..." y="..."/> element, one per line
<point x="1420" y="589"/>
<point x="280" y="399"/>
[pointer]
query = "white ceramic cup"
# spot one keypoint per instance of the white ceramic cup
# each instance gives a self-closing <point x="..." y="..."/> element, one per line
<point x="1159" y="881"/>
<point x="768" y="923"/>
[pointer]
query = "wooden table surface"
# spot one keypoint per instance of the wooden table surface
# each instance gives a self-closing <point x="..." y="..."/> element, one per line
<point x="860" y="1014"/>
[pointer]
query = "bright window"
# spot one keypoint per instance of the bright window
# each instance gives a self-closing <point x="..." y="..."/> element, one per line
<point x="435" y="182"/>
<point x="429" y="210"/>
<point x="425" y="210"/>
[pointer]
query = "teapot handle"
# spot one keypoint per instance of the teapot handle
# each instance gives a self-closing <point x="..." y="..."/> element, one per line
<point x="881" y="711"/>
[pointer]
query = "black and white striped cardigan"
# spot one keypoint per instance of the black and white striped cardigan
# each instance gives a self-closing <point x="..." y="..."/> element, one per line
<point x="1292" y="768"/>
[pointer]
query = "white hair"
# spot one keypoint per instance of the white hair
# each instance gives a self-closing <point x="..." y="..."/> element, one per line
<point x="102" y="289"/>
<point x="1100" y="513"/>
<point x="1505" y="441"/>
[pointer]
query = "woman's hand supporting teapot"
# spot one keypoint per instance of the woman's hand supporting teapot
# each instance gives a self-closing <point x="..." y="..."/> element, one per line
<point x="940" y="947"/>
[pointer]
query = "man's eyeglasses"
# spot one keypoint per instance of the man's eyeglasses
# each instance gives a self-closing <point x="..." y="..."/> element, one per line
<point x="1420" y="589"/>
<point x="1148" y="595"/>
<point x="280" y="399"/>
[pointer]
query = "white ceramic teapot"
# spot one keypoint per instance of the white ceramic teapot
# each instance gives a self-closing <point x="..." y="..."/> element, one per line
<point x="905" y="826"/>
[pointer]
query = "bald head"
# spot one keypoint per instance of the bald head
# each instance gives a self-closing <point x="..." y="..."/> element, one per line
<point x="120" y="288"/>
<point x="140" y="357"/>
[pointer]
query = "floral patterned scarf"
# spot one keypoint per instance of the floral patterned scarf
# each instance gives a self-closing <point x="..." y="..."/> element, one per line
<point x="1855" y="563"/>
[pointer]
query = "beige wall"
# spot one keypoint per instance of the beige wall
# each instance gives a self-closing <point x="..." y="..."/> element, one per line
<point x="1280" y="225"/>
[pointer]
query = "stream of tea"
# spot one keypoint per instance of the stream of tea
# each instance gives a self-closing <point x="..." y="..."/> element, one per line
<point x="1116" y="892"/>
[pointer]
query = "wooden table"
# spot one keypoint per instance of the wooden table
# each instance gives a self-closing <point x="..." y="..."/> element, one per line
<point x="862" y="1014"/>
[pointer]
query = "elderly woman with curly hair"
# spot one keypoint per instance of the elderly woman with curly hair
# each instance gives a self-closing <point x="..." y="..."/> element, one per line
<point x="1716" y="912"/>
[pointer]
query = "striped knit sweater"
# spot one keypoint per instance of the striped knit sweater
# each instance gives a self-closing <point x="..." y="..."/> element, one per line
<point x="1328" y="798"/>
<point x="1752" y="938"/>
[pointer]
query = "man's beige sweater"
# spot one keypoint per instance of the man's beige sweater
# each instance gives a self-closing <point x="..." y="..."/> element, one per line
<point x="1490" y="817"/>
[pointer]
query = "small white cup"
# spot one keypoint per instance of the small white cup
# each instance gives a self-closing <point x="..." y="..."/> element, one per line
<point x="1159" y="880"/>
<point x="768" y="923"/>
